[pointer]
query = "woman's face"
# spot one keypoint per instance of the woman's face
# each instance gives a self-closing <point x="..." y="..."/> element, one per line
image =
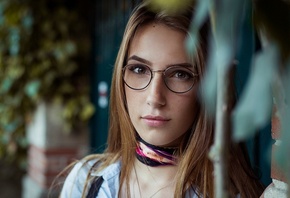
<point x="159" y="115"/>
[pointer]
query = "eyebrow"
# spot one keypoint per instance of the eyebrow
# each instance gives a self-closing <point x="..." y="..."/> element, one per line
<point x="142" y="60"/>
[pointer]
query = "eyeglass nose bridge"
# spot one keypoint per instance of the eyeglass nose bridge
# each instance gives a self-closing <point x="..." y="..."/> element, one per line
<point x="158" y="71"/>
<point x="163" y="76"/>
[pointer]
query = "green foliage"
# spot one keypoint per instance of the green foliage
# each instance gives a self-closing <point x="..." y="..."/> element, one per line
<point x="273" y="18"/>
<point x="170" y="6"/>
<point x="255" y="107"/>
<point x="43" y="57"/>
<point x="270" y="68"/>
<point x="281" y="99"/>
<point x="253" y="110"/>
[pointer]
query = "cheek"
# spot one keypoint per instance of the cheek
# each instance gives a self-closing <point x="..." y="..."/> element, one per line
<point x="189" y="108"/>
<point x="131" y="100"/>
<point x="129" y="95"/>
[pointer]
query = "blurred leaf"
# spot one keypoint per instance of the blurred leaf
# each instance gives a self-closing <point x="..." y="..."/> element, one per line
<point x="40" y="60"/>
<point x="226" y="30"/>
<point x="87" y="111"/>
<point x="15" y="71"/>
<point x="12" y="126"/>
<point x="2" y="108"/>
<point x="6" y="85"/>
<point x="66" y="88"/>
<point x="5" y="138"/>
<point x="70" y="69"/>
<point x="27" y="20"/>
<point x="202" y="12"/>
<point x="23" y="142"/>
<point x="170" y="6"/>
<point x="50" y="77"/>
<point x="255" y="106"/>
<point x="14" y="39"/>
<point x="223" y="46"/>
<point x="283" y="151"/>
<point x="69" y="48"/>
<point x="32" y="88"/>
<point x="70" y="109"/>
<point x="12" y="148"/>
<point x="246" y="46"/>
<point x="3" y="5"/>
<point x="272" y="17"/>
<point x="209" y="86"/>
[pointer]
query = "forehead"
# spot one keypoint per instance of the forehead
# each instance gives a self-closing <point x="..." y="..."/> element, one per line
<point x="157" y="31"/>
<point x="156" y="42"/>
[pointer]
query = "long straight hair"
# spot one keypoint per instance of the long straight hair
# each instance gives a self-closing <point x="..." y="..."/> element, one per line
<point x="194" y="168"/>
<point x="122" y="139"/>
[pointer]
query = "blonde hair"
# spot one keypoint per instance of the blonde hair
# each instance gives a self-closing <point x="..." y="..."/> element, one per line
<point x="194" y="167"/>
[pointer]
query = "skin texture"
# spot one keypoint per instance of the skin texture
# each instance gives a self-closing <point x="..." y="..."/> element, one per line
<point x="160" y="116"/>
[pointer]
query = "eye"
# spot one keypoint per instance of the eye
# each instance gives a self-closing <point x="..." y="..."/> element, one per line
<point x="182" y="75"/>
<point x="179" y="73"/>
<point x="139" y="69"/>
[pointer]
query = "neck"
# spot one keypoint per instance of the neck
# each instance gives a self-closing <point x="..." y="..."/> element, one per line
<point x="152" y="182"/>
<point x="154" y="171"/>
<point x="162" y="174"/>
<point x="152" y="155"/>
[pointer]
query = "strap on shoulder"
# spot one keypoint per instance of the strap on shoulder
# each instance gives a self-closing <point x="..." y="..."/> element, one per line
<point x="95" y="187"/>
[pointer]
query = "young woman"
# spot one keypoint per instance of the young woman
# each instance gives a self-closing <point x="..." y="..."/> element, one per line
<point x="160" y="134"/>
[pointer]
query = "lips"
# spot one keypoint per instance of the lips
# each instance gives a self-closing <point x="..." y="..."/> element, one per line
<point x="155" y="121"/>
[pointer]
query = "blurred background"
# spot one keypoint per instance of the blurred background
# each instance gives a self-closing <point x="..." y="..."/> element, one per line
<point x="56" y="60"/>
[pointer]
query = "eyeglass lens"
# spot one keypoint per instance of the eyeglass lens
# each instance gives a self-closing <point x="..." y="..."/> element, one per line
<point x="177" y="78"/>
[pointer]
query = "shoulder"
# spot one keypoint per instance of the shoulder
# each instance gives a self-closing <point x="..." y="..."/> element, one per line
<point x="192" y="192"/>
<point x="110" y="180"/>
<point x="76" y="181"/>
<point x="77" y="178"/>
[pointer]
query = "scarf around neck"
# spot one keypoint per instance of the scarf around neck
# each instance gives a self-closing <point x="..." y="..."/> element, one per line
<point x="152" y="155"/>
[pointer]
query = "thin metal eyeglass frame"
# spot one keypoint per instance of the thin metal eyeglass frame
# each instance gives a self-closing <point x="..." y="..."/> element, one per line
<point x="163" y="77"/>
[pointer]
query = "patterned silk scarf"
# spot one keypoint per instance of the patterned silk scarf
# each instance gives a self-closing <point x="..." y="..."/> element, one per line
<point x="152" y="155"/>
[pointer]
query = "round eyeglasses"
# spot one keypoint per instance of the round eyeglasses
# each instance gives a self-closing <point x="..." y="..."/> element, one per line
<point x="177" y="79"/>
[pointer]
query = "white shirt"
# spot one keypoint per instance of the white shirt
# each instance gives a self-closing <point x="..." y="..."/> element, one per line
<point x="74" y="183"/>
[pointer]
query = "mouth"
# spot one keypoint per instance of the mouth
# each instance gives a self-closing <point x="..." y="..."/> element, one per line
<point x="155" y="121"/>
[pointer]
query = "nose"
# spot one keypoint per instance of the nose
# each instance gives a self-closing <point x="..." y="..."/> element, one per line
<point x="156" y="91"/>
